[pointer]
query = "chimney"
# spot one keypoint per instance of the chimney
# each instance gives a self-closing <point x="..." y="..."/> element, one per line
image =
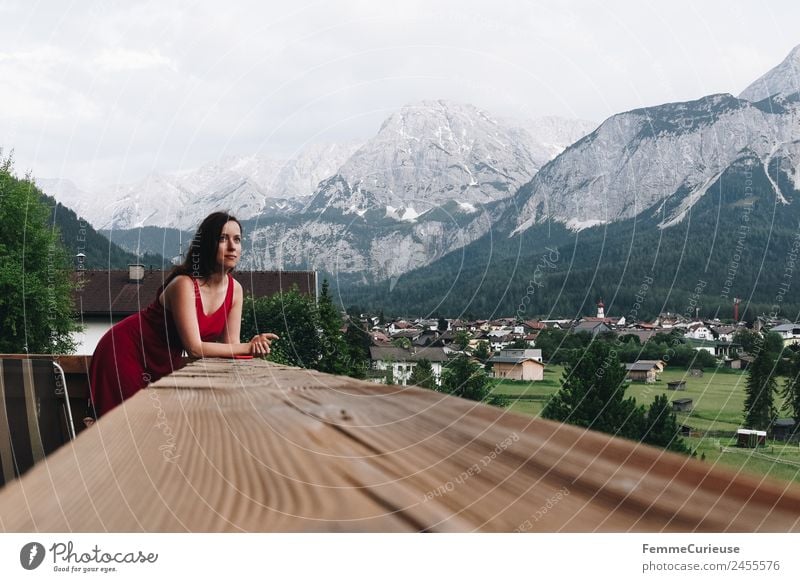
<point x="135" y="273"/>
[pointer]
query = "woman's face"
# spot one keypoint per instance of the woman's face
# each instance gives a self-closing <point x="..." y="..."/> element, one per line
<point x="229" y="249"/>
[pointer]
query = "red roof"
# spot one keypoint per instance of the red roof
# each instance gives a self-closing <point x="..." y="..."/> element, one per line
<point x="105" y="292"/>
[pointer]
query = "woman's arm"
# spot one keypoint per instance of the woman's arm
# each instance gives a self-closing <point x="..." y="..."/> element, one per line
<point x="233" y="326"/>
<point x="179" y="299"/>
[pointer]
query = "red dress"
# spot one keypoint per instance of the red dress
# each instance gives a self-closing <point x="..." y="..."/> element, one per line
<point x="144" y="347"/>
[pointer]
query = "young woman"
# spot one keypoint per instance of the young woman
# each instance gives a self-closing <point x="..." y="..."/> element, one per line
<point x="198" y="309"/>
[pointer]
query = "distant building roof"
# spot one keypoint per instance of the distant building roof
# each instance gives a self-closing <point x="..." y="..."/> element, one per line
<point x="640" y="367"/>
<point x="513" y="360"/>
<point x="593" y="327"/>
<point x="787" y="327"/>
<point x="104" y="292"/>
<point x="395" y="354"/>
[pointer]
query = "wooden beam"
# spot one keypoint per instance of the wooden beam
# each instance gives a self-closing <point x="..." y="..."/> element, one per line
<point x="226" y="445"/>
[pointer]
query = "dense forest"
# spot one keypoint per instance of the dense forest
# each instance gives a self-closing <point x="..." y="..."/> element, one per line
<point x="79" y="236"/>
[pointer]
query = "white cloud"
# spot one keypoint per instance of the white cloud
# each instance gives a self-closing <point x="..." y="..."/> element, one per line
<point x="122" y="88"/>
<point x="117" y="60"/>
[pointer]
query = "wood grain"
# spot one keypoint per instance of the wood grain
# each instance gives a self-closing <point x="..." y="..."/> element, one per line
<point x="226" y="445"/>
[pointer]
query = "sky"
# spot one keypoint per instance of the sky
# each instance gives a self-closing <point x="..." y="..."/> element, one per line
<point x="108" y="92"/>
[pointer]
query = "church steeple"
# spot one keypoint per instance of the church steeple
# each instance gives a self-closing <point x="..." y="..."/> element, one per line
<point x="601" y="312"/>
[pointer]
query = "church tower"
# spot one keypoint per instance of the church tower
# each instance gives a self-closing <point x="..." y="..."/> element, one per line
<point x="601" y="312"/>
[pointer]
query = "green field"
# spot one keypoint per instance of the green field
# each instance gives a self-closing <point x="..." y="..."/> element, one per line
<point x="718" y="400"/>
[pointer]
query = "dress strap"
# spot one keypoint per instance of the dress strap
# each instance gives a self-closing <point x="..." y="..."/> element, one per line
<point x="229" y="294"/>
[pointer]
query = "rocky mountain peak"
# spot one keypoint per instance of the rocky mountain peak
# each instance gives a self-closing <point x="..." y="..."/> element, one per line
<point x="432" y="152"/>
<point x="783" y="79"/>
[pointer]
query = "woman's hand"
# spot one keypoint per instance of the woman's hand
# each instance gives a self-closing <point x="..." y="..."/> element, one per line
<point x="260" y="344"/>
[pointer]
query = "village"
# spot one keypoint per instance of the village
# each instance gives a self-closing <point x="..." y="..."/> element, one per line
<point x="512" y="344"/>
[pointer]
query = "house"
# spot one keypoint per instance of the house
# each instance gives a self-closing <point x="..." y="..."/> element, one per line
<point x="790" y="332"/>
<point x="659" y="364"/>
<point x="403" y="361"/>
<point x="592" y="327"/>
<point x="105" y="297"/>
<point x="727" y="349"/>
<point x="399" y="325"/>
<point x="497" y="343"/>
<point x="682" y="405"/>
<point x="532" y="325"/>
<point x="750" y="439"/>
<point x="698" y="331"/>
<point x="518" y="365"/>
<point x="724" y="333"/>
<point x="784" y="430"/>
<point x="644" y="335"/>
<point x="734" y="363"/>
<point x="642" y="372"/>
<point x="709" y="346"/>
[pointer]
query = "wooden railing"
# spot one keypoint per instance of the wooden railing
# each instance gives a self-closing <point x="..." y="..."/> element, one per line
<point x="225" y="445"/>
<point x="76" y="370"/>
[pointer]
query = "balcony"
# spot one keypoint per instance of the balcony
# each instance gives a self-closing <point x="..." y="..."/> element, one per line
<point x="229" y="445"/>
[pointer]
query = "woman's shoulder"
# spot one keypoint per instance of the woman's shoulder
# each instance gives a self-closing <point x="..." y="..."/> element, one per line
<point x="180" y="285"/>
<point x="181" y="281"/>
<point x="237" y="287"/>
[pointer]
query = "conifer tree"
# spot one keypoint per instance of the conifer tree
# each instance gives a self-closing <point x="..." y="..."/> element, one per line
<point x="791" y="390"/>
<point x="661" y="426"/>
<point x="358" y="343"/>
<point x="335" y="358"/>
<point x="759" y="405"/>
<point x="462" y="377"/>
<point x="592" y="394"/>
<point x="422" y="375"/>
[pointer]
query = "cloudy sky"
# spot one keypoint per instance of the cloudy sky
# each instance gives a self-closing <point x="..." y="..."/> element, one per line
<point x="108" y="92"/>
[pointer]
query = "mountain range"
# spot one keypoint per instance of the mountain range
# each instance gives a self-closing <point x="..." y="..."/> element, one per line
<point x="446" y="194"/>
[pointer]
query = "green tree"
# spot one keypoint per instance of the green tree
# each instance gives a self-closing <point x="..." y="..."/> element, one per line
<point x="461" y="340"/>
<point x="747" y="338"/>
<point x="294" y="317"/>
<point x="36" y="283"/>
<point x="592" y="394"/>
<point x="759" y="404"/>
<point x="661" y="426"/>
<point x="462" y="377"/>
<point x="791" y="390"/>
<point x="442" y="324"/>
<point x="482" y="351"/>
<point x="389" y="378"/>
<point x="422" y="375"/>
<point x="358" y="343"/>
<point x="402" y="342"/>
<point x="335" y="357"/>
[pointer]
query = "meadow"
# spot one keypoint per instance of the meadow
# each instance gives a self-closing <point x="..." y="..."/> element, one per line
<point x="718" y="404"/>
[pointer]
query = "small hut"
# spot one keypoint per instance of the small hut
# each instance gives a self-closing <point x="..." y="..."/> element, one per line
<point x="750" y="439"/>
<point x="677" y="385"/>
<point x="682" y="405"/>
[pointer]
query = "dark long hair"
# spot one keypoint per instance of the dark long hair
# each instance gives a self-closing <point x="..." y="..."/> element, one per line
<point x="201" y="257"/>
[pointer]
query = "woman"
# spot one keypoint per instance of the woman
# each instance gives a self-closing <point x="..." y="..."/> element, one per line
<point x="199" y="305"/>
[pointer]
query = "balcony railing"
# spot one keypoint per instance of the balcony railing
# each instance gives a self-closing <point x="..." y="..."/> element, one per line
<point x="226" y="445"/>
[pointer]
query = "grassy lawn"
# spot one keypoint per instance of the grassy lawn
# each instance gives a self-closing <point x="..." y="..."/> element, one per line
<point x="718" y="400"/>
<point x="543" y="389"/>
<point x="718" y="396"/>
<point x="776" y="460"/>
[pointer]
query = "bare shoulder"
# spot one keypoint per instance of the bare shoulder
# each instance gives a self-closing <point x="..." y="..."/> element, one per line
<point x="238" y="292"/>
<point x="180" y="286"/>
